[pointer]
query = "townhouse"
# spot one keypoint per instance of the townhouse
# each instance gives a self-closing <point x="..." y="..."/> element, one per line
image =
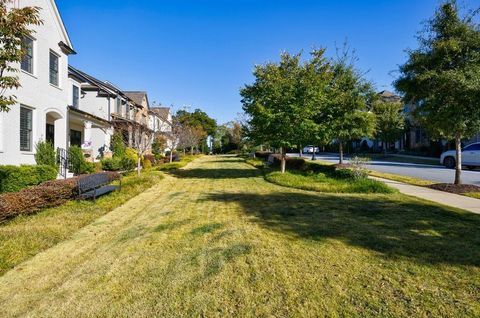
<point x="66" y="106"/>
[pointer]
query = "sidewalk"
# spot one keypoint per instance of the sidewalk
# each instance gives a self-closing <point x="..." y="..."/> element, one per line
<point x="445" y="198"/>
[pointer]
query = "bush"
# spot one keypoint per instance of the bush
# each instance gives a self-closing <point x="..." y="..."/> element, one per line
<point x="263" y="154"/>
<point x="147" y="164"/>
<point x="78" y="164"/>
<point x="150" y="158"/>
<point x="118" y="145"/>
<point x="128" y="164"/>
<point x="36" y="198"/>
<point x="112" y="164"/>
<point x="292" y="163"/>
<point x="13" y="178"/>
<point x="45" y="154"/>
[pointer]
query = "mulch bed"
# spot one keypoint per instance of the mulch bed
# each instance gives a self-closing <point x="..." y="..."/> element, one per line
<point x="455" y="188"/>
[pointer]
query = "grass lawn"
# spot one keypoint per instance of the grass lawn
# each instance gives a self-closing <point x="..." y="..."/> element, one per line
<point x="25" y="236"/>
<point x="217" y="240"/>
<point x="399" y="178"/>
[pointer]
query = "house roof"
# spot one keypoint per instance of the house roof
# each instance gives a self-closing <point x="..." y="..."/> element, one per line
<point x="162" y="112"/>
<point x="388" y="96"/>
<point x="137" y="97"/>
<point x="67" y="45"/>
<point x="104" y="86"/>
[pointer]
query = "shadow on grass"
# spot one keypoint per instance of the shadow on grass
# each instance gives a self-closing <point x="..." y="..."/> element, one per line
<point x="397" y="229"/>
<point x="216" y="173"/>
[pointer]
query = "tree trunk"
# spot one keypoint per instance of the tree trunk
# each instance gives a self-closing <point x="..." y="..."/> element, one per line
<point x="171" y="156"/>
<point x="314" y="155"/>
<point x="139" y="165"/>
<point x="300" y="151"/>
<point x="191" y="151"/>
<point x="385" y="148"/>
<point x="458" y="161"/>
<point x="340" y="150"/>
<point x="283" y="161"/>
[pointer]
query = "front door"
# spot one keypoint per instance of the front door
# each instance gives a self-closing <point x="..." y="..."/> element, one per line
<point x="75" y="138"/>
<point x="50" y="133"/>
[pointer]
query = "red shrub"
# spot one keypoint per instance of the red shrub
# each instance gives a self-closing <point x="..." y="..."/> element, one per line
<point x="46" y="195"/>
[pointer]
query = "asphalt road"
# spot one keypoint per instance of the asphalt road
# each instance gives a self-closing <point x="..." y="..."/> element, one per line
<point x="421" y="171"/>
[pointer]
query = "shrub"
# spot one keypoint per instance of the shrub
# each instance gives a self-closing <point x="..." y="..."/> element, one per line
<point x="128" y="164"/>
<point x="151" y="158"/>
<point x="118" y="145"/>
<point x="78" y="164"/>
<point x="292" y="163"/>
<point x="263" y="154"/>
<point x="13" y="178"/>
<point x="45" y="154"/>
<point x="146" y="164"/>
<point x="36" y="198"/>
<point x="112" y="164"/>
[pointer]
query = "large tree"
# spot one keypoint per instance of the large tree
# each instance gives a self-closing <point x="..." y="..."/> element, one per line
<point x="15" y="25"/>
<point x="196" y="120"/>
<point x="390" y="121"/>
<point x="274" y="104"/>
<point x="442" y="77"/>
<point x="350" y="96"/>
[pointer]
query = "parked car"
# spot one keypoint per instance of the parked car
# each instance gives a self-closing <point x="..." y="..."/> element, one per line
<point x="470" y="157"/>
<point x="309" y="149"/>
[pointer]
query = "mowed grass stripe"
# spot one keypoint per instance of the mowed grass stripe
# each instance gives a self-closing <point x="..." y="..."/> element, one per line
<point x="218" y="240"/>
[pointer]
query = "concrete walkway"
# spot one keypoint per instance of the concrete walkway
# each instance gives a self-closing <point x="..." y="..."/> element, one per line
<point x="449" y="199"/>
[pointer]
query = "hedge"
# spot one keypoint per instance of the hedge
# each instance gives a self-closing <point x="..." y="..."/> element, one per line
<point x="15" y="178"/>
<point x="36" y="198"/>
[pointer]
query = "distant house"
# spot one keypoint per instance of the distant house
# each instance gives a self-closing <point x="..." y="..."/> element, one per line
<point x="162" y="124"/>
<point x="41" y="112"/>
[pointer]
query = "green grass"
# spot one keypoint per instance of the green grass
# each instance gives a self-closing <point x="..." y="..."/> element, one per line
<point x="475" y="195"/>
<point x="220" y="241"/>
<point x="320" y="177"/>
<point x="177" y="165"/>
<point x="320" y="182"/>
<point x="25" y="236"/>
<point x="404" y="179"/>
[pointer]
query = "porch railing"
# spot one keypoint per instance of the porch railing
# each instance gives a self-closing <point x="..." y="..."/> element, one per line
<point x="62" y="161"/>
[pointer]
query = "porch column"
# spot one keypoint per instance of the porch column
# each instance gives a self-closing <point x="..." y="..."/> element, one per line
<point x="107" y="153"/>
<point x="87" y="135"/>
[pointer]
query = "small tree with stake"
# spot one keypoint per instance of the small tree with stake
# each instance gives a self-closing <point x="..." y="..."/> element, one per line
<point x="442" y="77"/>
<point x="14" y="27"/>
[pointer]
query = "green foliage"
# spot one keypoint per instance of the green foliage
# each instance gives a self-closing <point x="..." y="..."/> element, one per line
<point x="228" y="137"/>
<point x="257" y="163"/>
<point x="197" y="118"/>
<point x="78" y="164"/>
<point x="15" y="25"/>
<point x="390" y="120"/>
<point x="15" y="178"/>
<point x="112" y="164"/>
<point x="441" y="77"/>
<point x="146" y="164"/>
<point x="118" y="145"/>
<point x="45" y="154"/>
<point x="159" y="145"/>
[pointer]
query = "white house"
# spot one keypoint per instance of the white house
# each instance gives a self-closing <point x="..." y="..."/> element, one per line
<point x="161" y="122"/>
<point x="41" y="111"/>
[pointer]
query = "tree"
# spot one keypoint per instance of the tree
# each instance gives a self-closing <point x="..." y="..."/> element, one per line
<point x="191" y="137"/>
<point x="390" y="121"/>
<point x="274" y="104"/>
<point x="442" y="77"/>
<point x="15" y="25"/>
<point x="348" y="114"/>
<point x="198" y="119"/>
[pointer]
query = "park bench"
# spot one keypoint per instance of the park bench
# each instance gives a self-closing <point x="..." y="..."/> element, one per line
<point x="94" y="185"/>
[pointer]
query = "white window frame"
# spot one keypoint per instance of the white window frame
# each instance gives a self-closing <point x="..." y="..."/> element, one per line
<point x="50" y="68"/>
<point x="31" y="128"/>
<point x="32" y="57"/>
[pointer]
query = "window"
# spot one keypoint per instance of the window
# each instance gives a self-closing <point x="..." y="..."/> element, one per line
<point x="75" y="96"/>
<point x="75" y="138"/>
<point x="26" y="116"/>
<point x="473" y="147"/>
<point x="54" y="69"/>
<point x="27" y="59"/>
<point x="119" y="107"/>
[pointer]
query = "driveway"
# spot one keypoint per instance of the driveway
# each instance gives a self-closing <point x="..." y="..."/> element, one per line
<point x="421" y="171"/>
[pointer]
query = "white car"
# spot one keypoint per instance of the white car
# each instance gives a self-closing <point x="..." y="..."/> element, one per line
<point x="470" y="157"/>
<point x="309" y="149"/>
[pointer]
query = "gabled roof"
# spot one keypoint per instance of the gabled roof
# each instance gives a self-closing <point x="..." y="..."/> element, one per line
<point x="101" y="85"/>
<point x="388" y="96"/>
<point x="162" y="112"/>
<point x="137" y="97"/>
<point x="67" y="44"/>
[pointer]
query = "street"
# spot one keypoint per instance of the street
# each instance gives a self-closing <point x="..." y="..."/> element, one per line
<point x="421" y="171"/>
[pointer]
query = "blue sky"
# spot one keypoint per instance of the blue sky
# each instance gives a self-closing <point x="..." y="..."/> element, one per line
<point x="199" y="53"/>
